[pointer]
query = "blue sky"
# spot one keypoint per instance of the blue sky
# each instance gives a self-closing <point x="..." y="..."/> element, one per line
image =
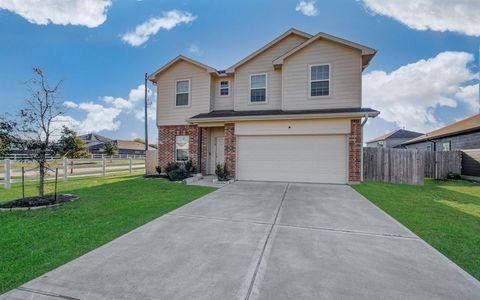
<point x="423" y="76"/>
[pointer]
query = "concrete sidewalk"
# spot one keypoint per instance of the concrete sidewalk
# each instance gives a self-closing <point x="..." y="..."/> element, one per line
<point x="252" y="240"/>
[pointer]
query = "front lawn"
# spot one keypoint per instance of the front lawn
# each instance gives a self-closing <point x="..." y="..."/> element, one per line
<point x="34" y="242"/>
<point x="446" y="214"/>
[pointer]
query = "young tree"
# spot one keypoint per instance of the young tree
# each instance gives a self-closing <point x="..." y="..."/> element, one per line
<point x="70" y="144"/>
<point x="35" y="125"/>
<point x="110" y="148"/>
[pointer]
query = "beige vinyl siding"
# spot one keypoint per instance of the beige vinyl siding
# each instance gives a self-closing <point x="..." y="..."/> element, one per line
<point x="290" y="127"/>
<point x="223" y="102"/>
<point x="263" y="64"/>
<point x="345" y="77"/>
<point x="200" y="86"/>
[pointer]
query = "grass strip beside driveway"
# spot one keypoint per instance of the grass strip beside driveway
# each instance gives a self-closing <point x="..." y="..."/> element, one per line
<point x="446" y="214"/>
<point x="37" y="241"/>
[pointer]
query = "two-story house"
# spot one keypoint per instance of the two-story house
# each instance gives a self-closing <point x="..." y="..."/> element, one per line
<point x="290" y="111"/>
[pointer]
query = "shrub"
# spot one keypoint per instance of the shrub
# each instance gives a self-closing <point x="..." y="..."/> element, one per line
<point x="189" y="166"/>
<point x="222" y="172"/>
<point x="158" y="169"/>
<point x="172" y="166"/>
<point x="178" y="174"/>
<point x="452" y="175"/>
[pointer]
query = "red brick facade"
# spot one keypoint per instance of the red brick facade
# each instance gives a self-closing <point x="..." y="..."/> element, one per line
<point x="230" y="148"/>
<point x="355" y="151"/>
<point x="166" y="138"/>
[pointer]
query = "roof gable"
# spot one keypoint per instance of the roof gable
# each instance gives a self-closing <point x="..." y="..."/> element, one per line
<point x="268" y="46"/>
<point x="207" y="68"/>
<point x="367" y="52"/>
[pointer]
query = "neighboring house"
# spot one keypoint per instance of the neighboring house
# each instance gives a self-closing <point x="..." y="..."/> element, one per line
<point x="95" y="142"/>
<point x="96" y="145"/>
<point x="461" y="135"/>
<point x="393" y="139"/>
<point x="131" y="147"/>
<point x="290" y="111"/>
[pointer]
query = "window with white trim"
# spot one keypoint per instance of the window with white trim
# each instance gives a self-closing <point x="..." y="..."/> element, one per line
<point x="320" y="80"/>
<point x="258" y="88"/>
<point x="446" y="146"/>
<point x="181" y="147"/>
<point x="225" y="88"/>
<point x="182" y="92"/>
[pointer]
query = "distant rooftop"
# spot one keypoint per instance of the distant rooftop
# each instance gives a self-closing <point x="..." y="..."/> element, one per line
<point x="397" y="134"/>
<point x="469" y="124"/>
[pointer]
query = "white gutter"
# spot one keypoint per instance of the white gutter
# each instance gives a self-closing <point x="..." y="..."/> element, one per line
<point x="283" y="117"/>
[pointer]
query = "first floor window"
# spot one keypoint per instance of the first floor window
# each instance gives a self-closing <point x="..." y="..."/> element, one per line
<point x="446" y="146"/>
<point x="182" y="91"/>
<point x="429" y="147"/>
<point x="319" y="80"/>
<point x="181" y="147"/>
<point x="224" y="88"/>
<point x="258" y="88"/>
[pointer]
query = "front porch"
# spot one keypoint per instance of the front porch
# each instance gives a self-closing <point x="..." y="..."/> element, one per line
<point x="206" y="146"/>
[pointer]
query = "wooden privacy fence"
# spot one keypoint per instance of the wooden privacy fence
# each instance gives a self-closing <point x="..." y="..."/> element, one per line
<point x="409" y="166"/>
<point x="439" y="163"/>
<point x="393" y="165"/>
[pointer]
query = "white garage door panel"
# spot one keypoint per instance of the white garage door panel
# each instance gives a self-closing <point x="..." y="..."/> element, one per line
<point x="296" y="158"/>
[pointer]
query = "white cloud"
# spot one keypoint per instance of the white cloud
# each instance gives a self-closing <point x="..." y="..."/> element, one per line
<point x="167" y="21"/>
<point x="307" y="7"/>
<point x="134" y="96"/>
<point x="151" y="112"/>
<point x="439" y="15"/>
<point x="409" y="95"/>
<point x="469" y="94"/>
<point x="194" y="49"/>
<point x="70" y="104"/>
<point x="89" y="13"/>
<point x="100" y="117"/>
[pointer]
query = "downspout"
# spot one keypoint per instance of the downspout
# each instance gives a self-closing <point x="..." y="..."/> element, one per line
<point x="361" y="152"/>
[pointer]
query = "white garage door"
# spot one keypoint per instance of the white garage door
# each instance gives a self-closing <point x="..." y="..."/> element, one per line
<point x="295" y="158"/>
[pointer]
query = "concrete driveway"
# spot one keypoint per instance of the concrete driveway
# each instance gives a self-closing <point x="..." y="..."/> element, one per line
<point x="253" y="240"/>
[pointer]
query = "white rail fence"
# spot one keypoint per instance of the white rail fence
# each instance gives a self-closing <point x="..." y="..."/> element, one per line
<point x="26" y="157"/>
<point x="15" y="170"/>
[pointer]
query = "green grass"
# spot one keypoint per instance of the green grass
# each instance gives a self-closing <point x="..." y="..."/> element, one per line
<point x="446" y="214"/>
<point x="34" y="242"/>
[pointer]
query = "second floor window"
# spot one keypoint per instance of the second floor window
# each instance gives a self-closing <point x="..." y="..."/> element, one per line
<point x="258" y="88"/>
<point x="319" y="80"/>
<point x="224" y="88"/>
<point x="182" y="92"/>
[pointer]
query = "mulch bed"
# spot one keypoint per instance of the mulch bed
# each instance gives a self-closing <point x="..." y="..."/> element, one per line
<point x="38" y="202"/>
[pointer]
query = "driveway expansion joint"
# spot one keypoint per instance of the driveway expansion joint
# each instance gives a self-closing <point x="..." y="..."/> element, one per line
<point x="346" y="231"/>
<point x="39" y="292"/>
<point x="219" y="219"/>
<point x="260" y="258"/>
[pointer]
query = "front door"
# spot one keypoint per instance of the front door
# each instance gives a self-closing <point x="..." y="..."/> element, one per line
<point x="219" y="150"/>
